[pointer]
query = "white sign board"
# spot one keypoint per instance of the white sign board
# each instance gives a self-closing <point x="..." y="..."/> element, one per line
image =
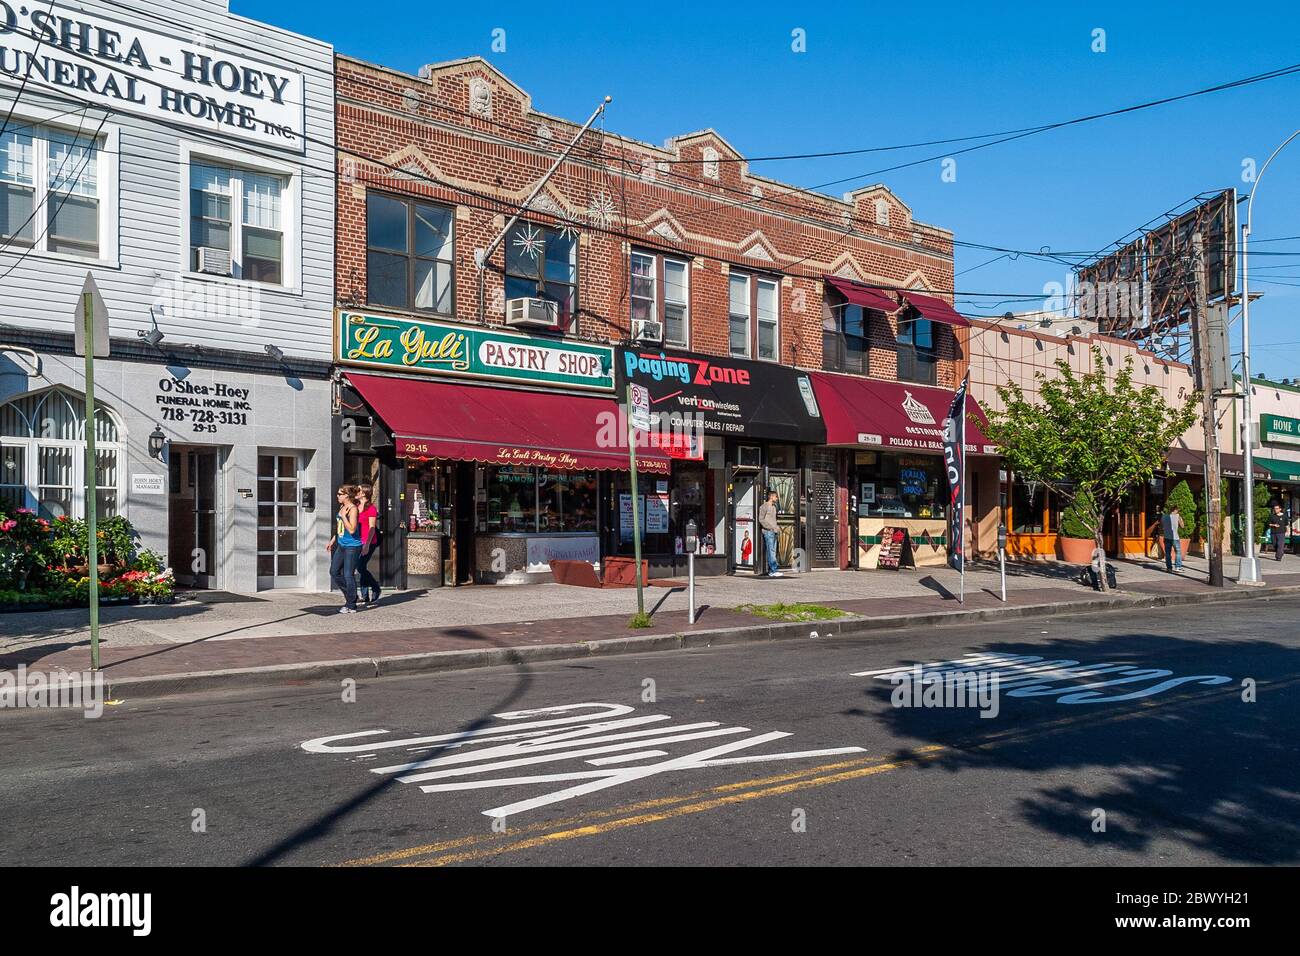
<point x="542" y="551"/>
<point x="190" y="81"/>
<point x="148" y="485"/>
<point x="639" y="407"/>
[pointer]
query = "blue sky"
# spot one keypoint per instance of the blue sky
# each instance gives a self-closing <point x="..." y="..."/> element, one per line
<point x="883" y="74"/>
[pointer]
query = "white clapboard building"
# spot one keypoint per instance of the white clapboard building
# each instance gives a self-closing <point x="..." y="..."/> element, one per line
<point x="182" y="158"/>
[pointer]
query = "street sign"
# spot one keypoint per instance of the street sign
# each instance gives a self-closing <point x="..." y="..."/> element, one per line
<point x="639" y="407"/>
<point x="99" y="317"/>
<point x="1220" y="357"/>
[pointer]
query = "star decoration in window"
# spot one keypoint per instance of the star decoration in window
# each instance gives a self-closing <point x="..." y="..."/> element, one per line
<point x="569" y="227"/>
<point x="529" y="241"/>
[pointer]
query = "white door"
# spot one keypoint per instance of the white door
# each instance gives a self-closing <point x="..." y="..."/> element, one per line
<point x="278" y="557"/>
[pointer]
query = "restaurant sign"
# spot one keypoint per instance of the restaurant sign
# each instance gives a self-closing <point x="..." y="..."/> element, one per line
<point x="1279" y="430"/>
<point x="473" y="352"/>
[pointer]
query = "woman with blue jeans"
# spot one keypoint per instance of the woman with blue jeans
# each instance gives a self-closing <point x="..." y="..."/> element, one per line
<point x="345" y="548"/>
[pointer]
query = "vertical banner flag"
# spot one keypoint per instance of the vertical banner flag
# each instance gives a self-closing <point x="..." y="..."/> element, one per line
<point x="954" y="460"/>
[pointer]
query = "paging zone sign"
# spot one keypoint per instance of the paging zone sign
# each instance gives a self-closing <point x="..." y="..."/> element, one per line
<point x="161" y="77"/>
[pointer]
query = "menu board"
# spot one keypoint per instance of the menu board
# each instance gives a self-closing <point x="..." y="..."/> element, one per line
<point x="892" y="543"/>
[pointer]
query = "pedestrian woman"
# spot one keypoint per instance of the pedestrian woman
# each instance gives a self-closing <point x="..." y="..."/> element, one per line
<point x="345" y="548"/>
<point x="368" y="516"/>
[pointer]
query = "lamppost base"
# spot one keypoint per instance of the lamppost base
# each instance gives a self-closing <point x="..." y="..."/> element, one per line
<point x="1248" y="574"/>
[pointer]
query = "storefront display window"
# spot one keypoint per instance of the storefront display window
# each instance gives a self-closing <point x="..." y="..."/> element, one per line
<point x="531" y="500"/>
<point x="1027" y="508"/>
<point x="901" y="486"/>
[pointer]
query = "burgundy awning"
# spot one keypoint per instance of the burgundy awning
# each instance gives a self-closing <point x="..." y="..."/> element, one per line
<point x="1185" y="461"/>
<point x="900" y="416"/>
<point x="501" y="425"/>
<point x="936" y="310"/>
<point x="866" y="296"/>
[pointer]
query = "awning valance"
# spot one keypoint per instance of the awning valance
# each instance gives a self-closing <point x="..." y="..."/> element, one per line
<point x="1281" y="470"/>
<point x="1187" y="461"/>
<point x="868" y="297"/>
<point x="936" y="310"/>
<point x="502" y="426"/>
<point x="899" y="416"/>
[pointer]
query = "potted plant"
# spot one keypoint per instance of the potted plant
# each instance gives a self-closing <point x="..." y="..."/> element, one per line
<point x="1181" y="497"/>
<point x="1078" y="537"/>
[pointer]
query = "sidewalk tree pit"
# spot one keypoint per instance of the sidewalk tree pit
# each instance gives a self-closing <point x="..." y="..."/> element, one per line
<point x="43" y="563"/>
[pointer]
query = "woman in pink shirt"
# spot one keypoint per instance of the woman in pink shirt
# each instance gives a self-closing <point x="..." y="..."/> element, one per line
<point x="368" y="525"/>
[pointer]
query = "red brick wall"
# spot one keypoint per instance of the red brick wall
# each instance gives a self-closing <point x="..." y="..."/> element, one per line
<point x="387" y="119"/>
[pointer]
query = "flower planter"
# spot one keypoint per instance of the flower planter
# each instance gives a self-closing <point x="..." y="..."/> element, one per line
<point x="1077" y="550"/>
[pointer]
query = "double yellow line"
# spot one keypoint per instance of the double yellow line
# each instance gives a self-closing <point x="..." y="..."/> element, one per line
<point x="468" y="849"/>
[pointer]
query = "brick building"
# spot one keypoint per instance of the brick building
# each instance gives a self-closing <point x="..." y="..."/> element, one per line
<point x="802" y="343"/>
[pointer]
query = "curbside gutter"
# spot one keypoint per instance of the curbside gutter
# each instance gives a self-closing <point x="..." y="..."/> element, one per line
<point x="852" y="626"/>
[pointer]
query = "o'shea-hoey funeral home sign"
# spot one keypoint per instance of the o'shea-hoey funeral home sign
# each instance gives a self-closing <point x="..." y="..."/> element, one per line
<point x="471" y="352"/>
<point x="187" y="80"/>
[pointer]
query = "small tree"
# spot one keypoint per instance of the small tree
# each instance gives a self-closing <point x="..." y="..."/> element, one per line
<point x="1087" y="438"/>
<point x="1181" y="496"/>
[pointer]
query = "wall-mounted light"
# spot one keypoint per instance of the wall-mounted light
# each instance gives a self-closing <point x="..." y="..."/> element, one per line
<point x="157" y="442"/>
<point x="274" y="351"/>
<point x="154" y="335"/>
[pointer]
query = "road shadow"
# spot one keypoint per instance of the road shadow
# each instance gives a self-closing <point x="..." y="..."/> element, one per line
<point x="1192" y="763"/>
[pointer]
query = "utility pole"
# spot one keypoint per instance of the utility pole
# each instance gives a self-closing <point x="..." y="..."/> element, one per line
<point x="1214" y="506"/>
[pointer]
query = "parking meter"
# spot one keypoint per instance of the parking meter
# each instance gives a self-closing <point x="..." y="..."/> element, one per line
<point x="692" y="542"/>
<point x="1002" y="537"/>
<point x="1002" y="557"/>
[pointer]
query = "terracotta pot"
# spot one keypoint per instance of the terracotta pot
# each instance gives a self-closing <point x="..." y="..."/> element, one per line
<point x="1076" y="550"/>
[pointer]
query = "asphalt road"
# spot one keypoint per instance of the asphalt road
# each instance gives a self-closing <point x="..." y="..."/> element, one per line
<point x="1178" y="770"/>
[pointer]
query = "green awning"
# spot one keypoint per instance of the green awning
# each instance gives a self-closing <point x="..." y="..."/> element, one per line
<point x="1280" y="470"/>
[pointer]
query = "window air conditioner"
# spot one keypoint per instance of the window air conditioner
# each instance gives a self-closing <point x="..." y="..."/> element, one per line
<point x="214" y="261"/>
<point x="533" y="313"/>
<point x="647" y="330"/>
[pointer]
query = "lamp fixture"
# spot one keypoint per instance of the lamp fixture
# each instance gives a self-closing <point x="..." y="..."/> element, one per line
<point x="277" y="355"/>
<point x="154" y="335"/>
<point x="157" y="442"/>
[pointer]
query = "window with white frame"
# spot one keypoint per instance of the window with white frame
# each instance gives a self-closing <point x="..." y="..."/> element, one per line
<point x="237" y="222"/>
<point x="738" y="314"/>
<point x="753" y="313"/>
<point x="50" y="192"/>
<point x="43" y="455"/>
<point x="652" y="273"/>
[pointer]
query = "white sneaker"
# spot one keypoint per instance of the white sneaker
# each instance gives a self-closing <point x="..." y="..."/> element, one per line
<point x="347" y="610"/>
<point x="776" y="574"/>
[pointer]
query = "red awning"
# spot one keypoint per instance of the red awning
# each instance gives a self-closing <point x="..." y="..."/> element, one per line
<point x="866" y="296"/>
<point x="500" y="425"/>
<point x="936" y="310"/>
<point x="897" y="416"/>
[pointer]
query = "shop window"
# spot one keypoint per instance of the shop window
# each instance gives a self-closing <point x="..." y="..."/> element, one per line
<point x="900" y="486"/>
<point x="238" y="222"/>
<point x="1028" y="505"/>
<point x="529" y="500"/>
<point x="43" y="455"/>
<point x="50" y="191"/>
<point x="543" y="263"/>
<point x="917" y="357"/>
<point x="409" y="254"/>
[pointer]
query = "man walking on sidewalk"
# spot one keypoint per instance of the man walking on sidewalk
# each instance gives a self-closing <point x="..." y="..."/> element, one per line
<point x="1171" y="527"/>
<point x="1277" y="528"/>
<point x="767" y="521"/>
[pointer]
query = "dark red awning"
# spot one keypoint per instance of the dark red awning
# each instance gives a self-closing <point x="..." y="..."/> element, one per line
<point x="501" y="425"/>
<point x="868" y="297"/>
<point x="898" y="416"/>
<point x="936" y="310"/>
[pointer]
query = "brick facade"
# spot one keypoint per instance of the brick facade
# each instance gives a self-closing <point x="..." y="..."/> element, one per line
<point x="462" y="134"/>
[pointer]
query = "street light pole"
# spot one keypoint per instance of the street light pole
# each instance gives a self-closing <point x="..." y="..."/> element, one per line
<point x="1249" y="573"/>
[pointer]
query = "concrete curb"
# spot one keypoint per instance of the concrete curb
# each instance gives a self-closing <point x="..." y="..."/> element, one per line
<point x="436" y="661"/>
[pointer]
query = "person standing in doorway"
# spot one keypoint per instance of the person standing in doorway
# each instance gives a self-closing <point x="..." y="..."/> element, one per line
<point x="767" y="521"/>
<point x="368" y="516"/>
<point x="345" y="548"/>
<point x="1277" y="528"/>
<point x="1171" y="527"/>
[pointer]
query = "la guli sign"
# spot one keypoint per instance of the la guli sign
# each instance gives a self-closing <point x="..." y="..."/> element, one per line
<point x="473" y="352"/>
<point x="132" y="70"/>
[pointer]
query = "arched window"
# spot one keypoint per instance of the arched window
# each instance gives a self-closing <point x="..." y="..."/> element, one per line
<point x="43" y="455"/>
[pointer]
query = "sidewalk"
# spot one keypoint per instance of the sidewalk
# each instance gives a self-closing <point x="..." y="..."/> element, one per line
<point x="215" y="639"/>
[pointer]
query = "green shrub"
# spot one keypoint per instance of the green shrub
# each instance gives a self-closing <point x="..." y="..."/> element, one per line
<point x="1182" y="497"/>
<point x="1079" y="517"/>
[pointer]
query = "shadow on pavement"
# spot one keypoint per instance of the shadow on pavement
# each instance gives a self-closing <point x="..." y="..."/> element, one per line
<point x="1193" y="764"/>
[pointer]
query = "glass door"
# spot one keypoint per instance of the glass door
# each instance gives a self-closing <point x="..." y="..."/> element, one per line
<point x="277" y="521"/>
<point x="786" y="486"/>
<point x="744" y="527"/>
<point x="203" y="476"/>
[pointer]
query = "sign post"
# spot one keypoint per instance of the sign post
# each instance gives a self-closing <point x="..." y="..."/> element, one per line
<point x="90" y="338"/>
<point x="638" y="417"/>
